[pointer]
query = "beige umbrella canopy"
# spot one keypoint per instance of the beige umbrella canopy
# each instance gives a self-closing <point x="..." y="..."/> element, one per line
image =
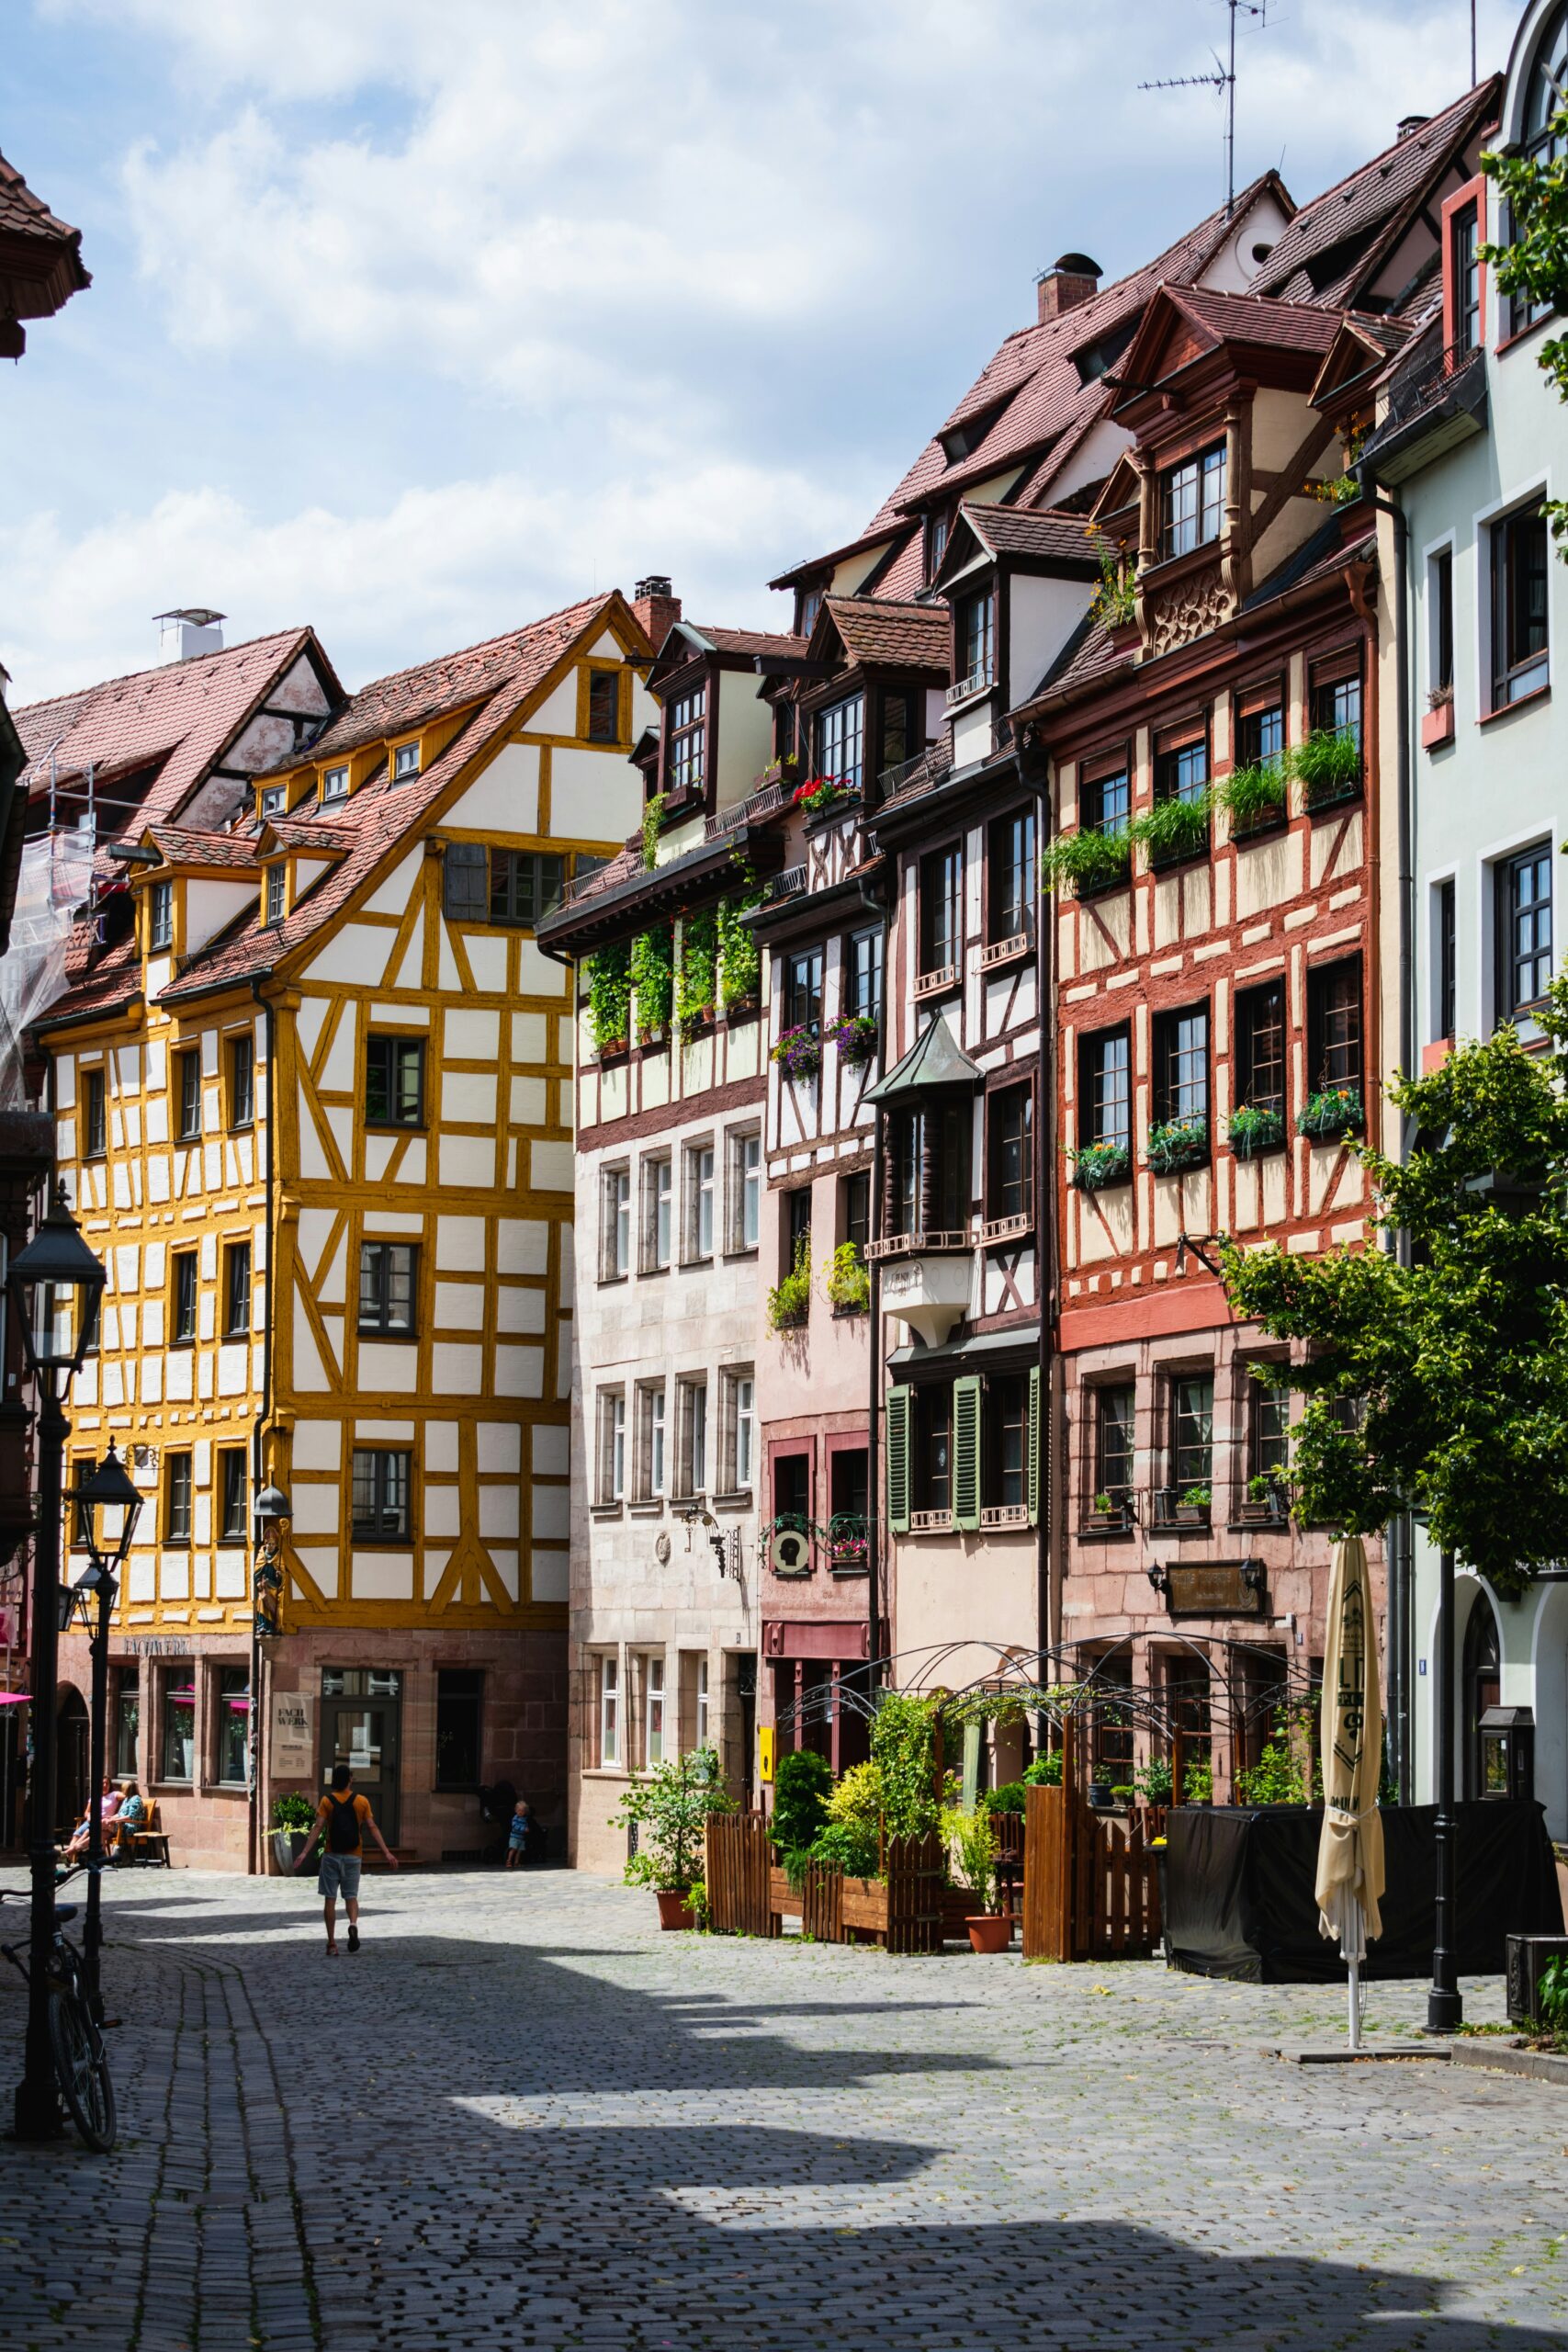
<point x="1349" y="1854"/>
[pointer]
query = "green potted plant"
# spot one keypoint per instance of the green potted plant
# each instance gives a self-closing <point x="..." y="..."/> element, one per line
<point x="1152" y="1781"/>
<point x="1253" y="1131"/>
<point x="1111" y="1513"/>
<point x="1097" y="1166"/>
<point x="1264" y="1504"/>
<point x="789" y="1302"/>
<point x="976" y="1840"/>
<point x="1329" y="767"/>
<point x="1087" y="861"/>
<point x="1176" y="1144"/>
<point x="1199" y="1781"/>
<point x="293" y="1818"/>
<point x="1331" y="1115"/>
<point x="1192" y="1506"/>
<point x="847" y="1280"/>
<point x="1255" y="798"/>
<point x="1173" y="831"/>
<point x="1045" y="1773"/>
<point x="670" y="1808"/>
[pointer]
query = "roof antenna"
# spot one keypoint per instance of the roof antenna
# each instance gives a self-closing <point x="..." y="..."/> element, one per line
<point x="1223" y="79"/>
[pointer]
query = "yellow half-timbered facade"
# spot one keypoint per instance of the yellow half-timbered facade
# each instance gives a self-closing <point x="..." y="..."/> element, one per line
<point x="316" y="1110"/>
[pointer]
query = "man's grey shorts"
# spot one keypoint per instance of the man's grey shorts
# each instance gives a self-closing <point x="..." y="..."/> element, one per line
<point x="339" y="1874"/>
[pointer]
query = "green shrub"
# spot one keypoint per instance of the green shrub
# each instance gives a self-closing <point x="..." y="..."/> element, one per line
<point x="789" y="1303"/>
<point x="671" y="1806"/>
<point x="903" y="1749"/>
<point x="293" y="1812"/>
<point x="1552" y="1999"/>
<point x="1012" y="1797"/>
<point x="1154" y="1781"/>
<point x="801" y="1784"/>
<point x="652" y="973"/>
<point x="977" y="1843"/>
<point x="851" y="1846"/>
<point x="1174" y="828"/>
<point x="610" y="997"/>
<point x="1199" y="1781"/>
<point x="1045" y="1773"/>
<point x="1086" y="860"/>
<point x="1253" y="795"/>
<point x="1253" y="1132"/>
<point x="848" y="1279"/>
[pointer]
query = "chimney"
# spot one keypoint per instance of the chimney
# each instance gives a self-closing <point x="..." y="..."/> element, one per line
<point x="188" y="630"/>
<point x="657" y="607"/>
<point x="1071" y="279"/>
<point x="1409" y="124"/>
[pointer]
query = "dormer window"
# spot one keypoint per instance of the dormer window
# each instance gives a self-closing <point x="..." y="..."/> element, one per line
<point x="405" y="763"/>
<point x="277" y="893"/>
<point x="1192" y="502"/>
<point x="274" y="799"/>
<point x="808" y="604"/>
<point x="841" y="737"/>
<point x="686" y="758"/>
<point x="1464" y="276"/>
<point x="161" y="916"/>
<point x="334" y="782"/>
<point x="975" y="640"/>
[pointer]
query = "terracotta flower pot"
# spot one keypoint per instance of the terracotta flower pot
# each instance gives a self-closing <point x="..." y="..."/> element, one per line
<point x="991" y="1931"/>
<point x="674" y="1907"/>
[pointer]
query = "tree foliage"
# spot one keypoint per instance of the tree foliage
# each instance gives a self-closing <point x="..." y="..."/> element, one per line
<point x="1533" y="267"/>
<point x="1441" y="1385"/>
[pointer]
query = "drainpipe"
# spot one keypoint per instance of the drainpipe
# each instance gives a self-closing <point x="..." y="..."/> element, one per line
<point x="257" y="1858"/>
<point x="874" y="1411"/>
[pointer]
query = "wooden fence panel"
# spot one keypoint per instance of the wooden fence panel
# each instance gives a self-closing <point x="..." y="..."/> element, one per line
<point x="739" y="1859"/>
<point x="915" y="1881"/>
<point x="1090" y="1891"/>
<point x="1045" y="1875"/>
<point x="822" y="1903"/>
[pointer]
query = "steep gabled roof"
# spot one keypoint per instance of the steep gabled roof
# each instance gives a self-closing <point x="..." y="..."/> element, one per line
<point x="1040" y="532"/>
<point x="911" y="637"/>
<point x="191" y="845"/>
<point x="41" y="255"/>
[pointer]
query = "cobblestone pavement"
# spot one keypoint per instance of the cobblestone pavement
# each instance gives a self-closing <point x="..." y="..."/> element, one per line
<point x="521" y="2117"/>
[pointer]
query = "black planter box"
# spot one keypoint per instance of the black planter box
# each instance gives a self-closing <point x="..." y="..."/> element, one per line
<point x="1239" y="1892"/>
<point x="1528" y="1957"/>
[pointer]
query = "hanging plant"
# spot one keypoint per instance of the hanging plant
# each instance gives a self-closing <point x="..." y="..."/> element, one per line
<point x="696" y="986"/>
<point x="855" y="1037"/>
<point x="1172" y="829"/>
<point x="653" y="979"/>
<point x="1329" y="766"/>
<point x="740" y="962"/>
<point x="1096" y="1166"/>
<point x="610" y="998"/>
<point x="789" y="1304"/>
<point x="1337" y="1111"/>
<point x="798" y="1053"/>
<point x="652" y="818"/>
<point x="847" y="1280"/>
<point x="1254" y="796"/>
<point x="1085" y="860"/>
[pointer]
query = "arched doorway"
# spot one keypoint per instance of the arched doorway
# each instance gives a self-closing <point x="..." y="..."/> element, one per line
<point x="71" y="1759"/>
<point x="1481" y="1685"/>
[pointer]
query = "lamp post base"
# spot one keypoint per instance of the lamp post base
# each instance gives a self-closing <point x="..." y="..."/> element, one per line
<point x="35" y="2113"/>
<point x="1444" y="2010"/>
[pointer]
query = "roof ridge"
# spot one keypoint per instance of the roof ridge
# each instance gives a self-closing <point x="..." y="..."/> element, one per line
<point x="1371" y="161"/>
<point x="481" y="645"/>
<point x="162" y="669"/>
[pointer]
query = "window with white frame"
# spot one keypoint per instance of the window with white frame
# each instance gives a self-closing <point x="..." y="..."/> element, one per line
<point x="334" y="784"/>
<point x="405" y="761"/>
<point x="611" y="1445"/>
<point x="650" y="1449"/>
<point x="691" y="1463"/>
<point x="701" y="1724"/>
<point x="616" y="1225"/>
<point x="699" y="1200"/>
<point x="745" y="1188"/>
<point x="653" y="1752"/>
<point x="738" y="1436"/>
<point x="1520" y="574"/>
<point x="658" y="1209"/>
<point x="609" y="1711"/>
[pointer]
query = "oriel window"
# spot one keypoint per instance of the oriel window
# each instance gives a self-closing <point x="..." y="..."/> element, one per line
<point x="1192" y="502"/>
<point x="840" y="741"/>
<point x="687" y="719"/>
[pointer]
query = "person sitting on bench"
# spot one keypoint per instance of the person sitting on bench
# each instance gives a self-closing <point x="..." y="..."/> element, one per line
<point x="109" y="1810"/>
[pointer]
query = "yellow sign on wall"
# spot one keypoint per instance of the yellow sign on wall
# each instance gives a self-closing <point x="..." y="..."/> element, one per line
<point x="766" y="1737"/>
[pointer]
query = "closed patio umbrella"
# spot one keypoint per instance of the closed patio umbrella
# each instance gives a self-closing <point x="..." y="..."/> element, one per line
<point x="1349" y="1854"/>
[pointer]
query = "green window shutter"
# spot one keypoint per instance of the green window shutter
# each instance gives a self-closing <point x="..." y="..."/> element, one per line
<point x="898" y="1461"/>
<point x="966" y="1454"/>
<point x="1032" y="1446"/>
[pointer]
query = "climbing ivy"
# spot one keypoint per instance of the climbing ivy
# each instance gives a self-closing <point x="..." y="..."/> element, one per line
<point x="610" y="997"/>
<point x="740" y="962"/>
<point x="696" y="984"/>
<point x="903" y="1749"/>
<point x="653" y="977"/>
<point x="652" y="818"/>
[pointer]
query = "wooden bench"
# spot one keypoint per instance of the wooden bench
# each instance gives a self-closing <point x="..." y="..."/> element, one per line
<point x="148" y="1844"/>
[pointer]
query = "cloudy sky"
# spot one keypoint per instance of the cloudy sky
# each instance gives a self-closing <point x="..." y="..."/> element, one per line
<point x="415" y="318"/>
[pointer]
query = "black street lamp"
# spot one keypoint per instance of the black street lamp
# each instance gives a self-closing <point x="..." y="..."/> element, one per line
<point x="54" y="1288"/>
<point x="106" y="1489"/>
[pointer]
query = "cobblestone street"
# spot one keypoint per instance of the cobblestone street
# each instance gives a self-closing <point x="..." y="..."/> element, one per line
<point x="521" y="2117"/>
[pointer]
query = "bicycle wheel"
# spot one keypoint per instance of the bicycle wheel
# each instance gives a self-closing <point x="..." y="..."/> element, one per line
<point x="81" y="2070"/>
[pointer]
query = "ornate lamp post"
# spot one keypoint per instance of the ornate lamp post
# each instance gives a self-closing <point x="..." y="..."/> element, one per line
<point x="53" y="1288"/>
<point x="106" y="1489"/>
<point x="272" y="1509"/>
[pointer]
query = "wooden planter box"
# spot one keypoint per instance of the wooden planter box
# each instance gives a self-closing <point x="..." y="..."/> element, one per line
<point x="1438" y="726"/>
<point x="782" y="1901"/>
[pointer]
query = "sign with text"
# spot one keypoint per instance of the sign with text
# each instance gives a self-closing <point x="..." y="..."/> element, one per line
<point x="1213" y="1588"/>
<point x="293" y="1735"/>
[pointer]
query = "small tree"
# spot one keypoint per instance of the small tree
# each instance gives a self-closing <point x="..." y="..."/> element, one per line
<point x="1442" y="1386"/>
<point x="671" y="1807"/>
<point x="1534" y="265"/>
<point x="801" y="1781"/>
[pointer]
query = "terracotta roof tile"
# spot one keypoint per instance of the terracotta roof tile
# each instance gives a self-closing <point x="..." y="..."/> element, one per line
<point x="306" y="833"/>
<point x="1248" y="318"/>
<point x="878" y="629"/>
<point x="189" y="845"/>
<point x="1040" y="531"/>
<point x="750" y="641"/>
<point x="41" y="255"/>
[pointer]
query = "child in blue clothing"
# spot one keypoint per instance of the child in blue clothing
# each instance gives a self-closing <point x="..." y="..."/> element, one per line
<point x="519" y="1834"/>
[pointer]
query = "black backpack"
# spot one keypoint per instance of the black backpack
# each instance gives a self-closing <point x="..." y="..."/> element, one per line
<point x="342" y="1826"/>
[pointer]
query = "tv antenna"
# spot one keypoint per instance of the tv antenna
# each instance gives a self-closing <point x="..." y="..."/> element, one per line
<point x="1223" y="79"/>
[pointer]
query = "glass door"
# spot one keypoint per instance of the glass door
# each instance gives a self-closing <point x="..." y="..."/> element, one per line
<point x="361" y="1711"/>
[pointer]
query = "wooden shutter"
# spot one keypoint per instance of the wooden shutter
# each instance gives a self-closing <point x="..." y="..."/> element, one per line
<point x="1032" y="1446"/>
<point x="966" y="1454"/>
<point x="465" y="892"/>
<point x="898" y="1460"/>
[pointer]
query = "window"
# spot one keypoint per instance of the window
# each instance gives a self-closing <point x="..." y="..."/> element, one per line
<point x="694" y="1404"/>
<point x="932" y="1466"/>
<point x="1182" y="774"/>
<point x="232" y="1494"/>
<point x="277" y="893"/>
<point x="524" y="886"/>
<point x="1335" y="701"/>
<point x="658" y="1214"/>
<point x="1010" y="876"/>
<point x="177" y="1498"/>
<point x="405" y="763"/>
<point x="1260" y="1047"/>
<point x="1105" y="798"/>
<point x="701" y="1696"/>
<point x="334" y="784"/>
<point x="1440" y="583"/>
<point x="1446" y="959"/>
<point x="1464" y="266"/>
<point x="95" y="1125"/>
<point x="237" y="1290"/>
<point x="460" y="1702"/>
<point x="937" y="528"/>
<point x="1192" y="502"/>
<point x="609" y="1711"/>
<point x="1182" y="1065"/>
<point x="183" y="1315"/>
<point x="1114" y="1452"/>
<point x="1267" y="1430"/>
<point x="699" y="1202"/>
<point x="603" y="705"/>
<point x="900" y="744"/>
<point x="1334" y="1024"/>
<point x="383" y="1477"/>
<point x="654" y="1750"/>
<point x="1010" y="1169"/>
<point x="930" y="1169"/>
<point x="233" y="1698"/>
<point x="803" y="991"/>
<point x="745" y="1190"/>
<point x="796" y="1223"/>
<point x="784" y="724"/>
<point x="187" y="1097"/>
<point x="394" y="1081"/>
<point x="849" y="1495"/>
<point x="241" y="1081"/>
<point x="855" y="1219"/>
<point x="743" y="1389"/>
<point x="1192" y="1431"/>
<point x="178" y="1755"/>
<point x="464" y="882"/>
<point x="128" y="1724"/>
<point x="686" y="736"/>
<point x="1541" y="141"/>
<point x="651" y="1467"/>
<point x="1105" y="1087"/>
<point x="611" y="1445"/>
<point x="863" y="973"/>
<point x="808" y="604"/>
<point x="274" y="799"/>
<point x="388" y="1282"/>
<point x="973" y="617"/>
<point x="941" y="911"/>
<point x="839" y="737"/>
<point x="1004" y="1476"/>
<point x="1518" y="606"/>
<point x="1524" y="930"/>
<point x="1259" y="726"/>
<point x="161" y="915"/>
<point x="615" y="1204"/>
<point x="791" y="1510"/>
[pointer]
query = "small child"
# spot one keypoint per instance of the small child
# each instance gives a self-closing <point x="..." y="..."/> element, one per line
<point x="518" y="1834"/>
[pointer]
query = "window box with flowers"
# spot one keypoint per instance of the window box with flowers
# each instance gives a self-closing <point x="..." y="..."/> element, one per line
<point x="1097" y="1166"/>
<point x="1329" y="767"/>
<point x="799" y="1052"/>
<point x="856" y="1038"/>
<point x="847" y="1280"/>
<point x="1266" y="1502"/>
<point x="784" y="771"/>
<point x="1176" y="1144"/>
<point x="1252" y="1132"/>
<point x="789" y="1304"/>
<point x="1438" y="726"/>
<point x="821" y="794"/>
<point x="1109" y="1515"/>
<point x="1330" y="1117"/>
<point x="849" y="1544"/>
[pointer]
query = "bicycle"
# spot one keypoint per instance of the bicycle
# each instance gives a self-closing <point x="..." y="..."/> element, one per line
<point x="75" y="2041"/>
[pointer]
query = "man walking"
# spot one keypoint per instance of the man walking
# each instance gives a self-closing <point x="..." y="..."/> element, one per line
<point x="341" y="1819"/>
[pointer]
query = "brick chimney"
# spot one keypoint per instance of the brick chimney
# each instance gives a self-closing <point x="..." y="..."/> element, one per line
<point x="1071" y="279"/>
<point x="657" y="607"/>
